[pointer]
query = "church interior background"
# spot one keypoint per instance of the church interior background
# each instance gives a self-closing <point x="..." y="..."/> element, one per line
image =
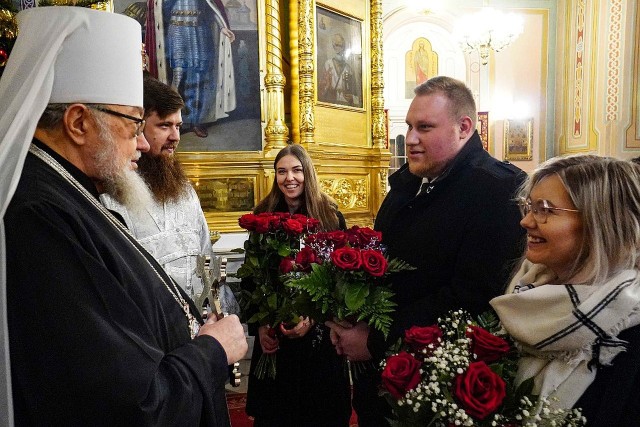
<point x="566" y="82"/>
<point x="559" y="77"/>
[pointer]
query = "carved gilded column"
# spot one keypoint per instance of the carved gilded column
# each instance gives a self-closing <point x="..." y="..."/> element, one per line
<point x="378" y="129"/>
<point x="294" y="75"/>
<point x="276" y="131"/>
<point x="305" y="67"/>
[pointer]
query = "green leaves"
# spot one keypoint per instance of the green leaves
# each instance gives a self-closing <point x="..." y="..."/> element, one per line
<point x="343" y="294"/>
<point x="267" y="297"/>
<point x="396" y="265"/>
<point x="355" y="295"/>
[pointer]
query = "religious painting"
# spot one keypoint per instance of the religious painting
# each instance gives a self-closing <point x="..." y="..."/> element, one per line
<point x="338" y="59"/>
<point x="482" y="126"/>
<point x="209" y="51"/>
<point x="421" y="63"/>
<point x="518" y="139"/>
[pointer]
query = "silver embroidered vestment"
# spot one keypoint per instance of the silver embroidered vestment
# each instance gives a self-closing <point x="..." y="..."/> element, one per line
<point x="175" y="233"/>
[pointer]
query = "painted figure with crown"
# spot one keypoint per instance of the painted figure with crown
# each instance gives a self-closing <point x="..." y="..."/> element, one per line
<point x="192" y="51"/>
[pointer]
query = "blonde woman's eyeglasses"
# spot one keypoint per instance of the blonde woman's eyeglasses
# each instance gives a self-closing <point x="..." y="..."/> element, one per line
<point x="539" y="208"/>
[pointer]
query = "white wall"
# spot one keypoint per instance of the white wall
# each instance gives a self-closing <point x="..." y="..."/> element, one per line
<point x="517" y="81"/>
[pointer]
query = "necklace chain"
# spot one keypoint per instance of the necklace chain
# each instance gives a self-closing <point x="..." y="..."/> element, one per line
<point x="193" y="324"/>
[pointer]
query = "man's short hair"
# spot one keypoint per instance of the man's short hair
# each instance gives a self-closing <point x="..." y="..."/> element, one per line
<point x="460" y="98"/>
<point x="160" y="98"/>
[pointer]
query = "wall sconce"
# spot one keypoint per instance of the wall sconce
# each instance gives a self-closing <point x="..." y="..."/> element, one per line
<point x="488" y="30"/>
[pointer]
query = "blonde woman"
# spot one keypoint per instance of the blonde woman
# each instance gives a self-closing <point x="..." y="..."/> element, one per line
<point x="574" y="305"/>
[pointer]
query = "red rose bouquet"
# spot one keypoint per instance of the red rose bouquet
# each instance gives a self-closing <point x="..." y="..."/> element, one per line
<point x="273" y="237"/>
<point x="461" y="372"/>
<point x="343" y="274"/>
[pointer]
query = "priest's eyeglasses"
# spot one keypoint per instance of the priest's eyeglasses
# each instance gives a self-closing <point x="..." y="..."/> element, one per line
<point x="539" y="208"/>
<point x="139" y="122"/>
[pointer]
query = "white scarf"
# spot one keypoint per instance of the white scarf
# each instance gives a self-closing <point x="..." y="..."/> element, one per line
<point x="566" y="331"/>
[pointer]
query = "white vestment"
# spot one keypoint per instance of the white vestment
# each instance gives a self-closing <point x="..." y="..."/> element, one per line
<point x="175" y="233"/>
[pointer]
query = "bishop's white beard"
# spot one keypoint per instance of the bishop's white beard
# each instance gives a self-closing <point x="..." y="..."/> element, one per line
<point x="120" y="182"/>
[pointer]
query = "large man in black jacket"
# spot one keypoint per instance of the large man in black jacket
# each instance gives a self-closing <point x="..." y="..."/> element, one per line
<point x="451" y="215"/>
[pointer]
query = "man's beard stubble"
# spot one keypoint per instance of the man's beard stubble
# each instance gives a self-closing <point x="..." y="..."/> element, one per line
<point x="119" y="180"/>
<point x="164" y="176"/>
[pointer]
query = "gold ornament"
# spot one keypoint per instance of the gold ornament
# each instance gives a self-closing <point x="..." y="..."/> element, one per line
<point x="8" y="25"/>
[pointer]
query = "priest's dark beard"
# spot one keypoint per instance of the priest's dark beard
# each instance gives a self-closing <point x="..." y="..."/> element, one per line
<point x="164" y="176"/>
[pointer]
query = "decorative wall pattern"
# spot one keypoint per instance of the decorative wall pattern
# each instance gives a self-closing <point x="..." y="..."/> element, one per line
<point x="384" y="176"/>
<point x="349" y="193"/>
<point x="613" y="63"/>
<point x="226" y="194"/>
<point x="578" y="84"/>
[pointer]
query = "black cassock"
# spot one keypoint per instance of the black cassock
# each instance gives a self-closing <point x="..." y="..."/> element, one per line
<point x="95" y="336"/>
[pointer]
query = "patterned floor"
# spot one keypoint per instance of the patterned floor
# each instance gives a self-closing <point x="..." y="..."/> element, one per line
<point x="236" y="403"/>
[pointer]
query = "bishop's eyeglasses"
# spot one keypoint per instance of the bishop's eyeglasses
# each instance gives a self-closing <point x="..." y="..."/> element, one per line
<point x="539" y="208"/>
<point x="139" y="122"/>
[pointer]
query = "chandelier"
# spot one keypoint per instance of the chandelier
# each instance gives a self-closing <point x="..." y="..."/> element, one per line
<point x="487" y="30"/>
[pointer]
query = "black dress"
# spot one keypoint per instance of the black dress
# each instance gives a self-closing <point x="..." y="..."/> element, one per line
<point x="613" y="399"/>
<point x="311" y="388"/>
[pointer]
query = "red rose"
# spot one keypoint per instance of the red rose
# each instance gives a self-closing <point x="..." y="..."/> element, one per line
<point x="369" y="236"/>
<point x="275" y="222"/>
<point x="338" y="238"/>
<point x="401" y="374"/>
<point x="479" y="390"/>
<point x="419" y="337"/>
<point x="308" y="224"/>
<point x="248" y="222"/>
<point x="347" y="258"/>
<point x="485" y="345"/>
<point x="353" y="237"/>
<point x="262" y="224"/>
<point x="302" y="219"/>
<point x="312" y="224"/>
<point x="286" y="265"/>
<point x="374" y="263"/>
<point x="305" y="258"/>
<point x="292" y="227"/>
<point x="312" y="238"/>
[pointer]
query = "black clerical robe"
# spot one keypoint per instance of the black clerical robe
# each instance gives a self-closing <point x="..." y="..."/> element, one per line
<point x="95" y="336"/>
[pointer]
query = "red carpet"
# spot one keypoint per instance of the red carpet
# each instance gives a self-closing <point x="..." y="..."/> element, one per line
<point x="239" y="418"/>
<point x="236" y="403"/>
